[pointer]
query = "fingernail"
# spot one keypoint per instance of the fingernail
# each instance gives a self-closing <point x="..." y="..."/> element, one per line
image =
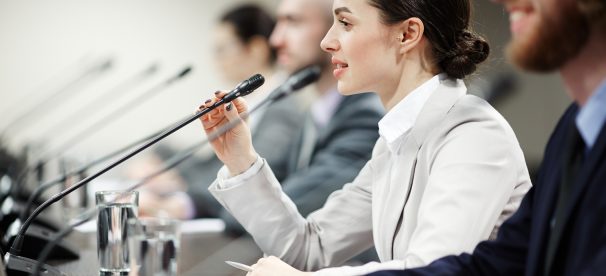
<point x="228" y="107"/>
<point x="208" y="101"/>
<point x="217" y="92"/>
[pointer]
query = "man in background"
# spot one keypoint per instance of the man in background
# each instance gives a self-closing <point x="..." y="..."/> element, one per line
<point x="338" y="132"/>
<point x="335" y="136"/>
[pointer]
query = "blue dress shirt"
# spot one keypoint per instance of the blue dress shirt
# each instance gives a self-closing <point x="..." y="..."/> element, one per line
<point x="591" y="117"/>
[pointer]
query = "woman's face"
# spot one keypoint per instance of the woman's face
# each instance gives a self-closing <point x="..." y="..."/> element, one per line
<point x="364" y="50"/>
<point x="232" y="56"/>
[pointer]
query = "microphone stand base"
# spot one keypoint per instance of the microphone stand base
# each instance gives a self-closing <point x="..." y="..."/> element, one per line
<point x="36" y="237"/>
<point x="21" y="266"/>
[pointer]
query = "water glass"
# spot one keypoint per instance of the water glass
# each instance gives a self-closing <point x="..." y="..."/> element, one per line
<point x="153" y="245"/>
<point x="115" y="209"/>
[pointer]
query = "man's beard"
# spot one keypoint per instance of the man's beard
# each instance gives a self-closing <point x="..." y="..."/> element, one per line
<point x="557" y="39"/>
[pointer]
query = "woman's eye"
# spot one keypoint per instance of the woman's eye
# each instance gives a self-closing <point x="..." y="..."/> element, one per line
<point x="344" y="23"/>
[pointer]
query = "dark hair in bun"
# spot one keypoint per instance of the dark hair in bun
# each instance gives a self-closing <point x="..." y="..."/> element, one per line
<point x="457" y="49"/>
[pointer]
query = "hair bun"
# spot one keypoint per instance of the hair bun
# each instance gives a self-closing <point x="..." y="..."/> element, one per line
<point x="469" y="51"/>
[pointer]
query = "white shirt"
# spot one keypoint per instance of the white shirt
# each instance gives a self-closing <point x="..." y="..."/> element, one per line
<point x="400" y="119"/>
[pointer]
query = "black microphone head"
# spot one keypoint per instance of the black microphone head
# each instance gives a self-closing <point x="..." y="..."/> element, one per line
<point x="304" y="77"/>
<point x="256" y="81"/>
<point x="185" y="72"/>
<point x="252" y="83"/>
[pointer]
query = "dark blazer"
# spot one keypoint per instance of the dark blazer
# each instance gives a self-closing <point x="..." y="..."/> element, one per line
<point x="341" y="150"/>
<point x="522" y="240"/>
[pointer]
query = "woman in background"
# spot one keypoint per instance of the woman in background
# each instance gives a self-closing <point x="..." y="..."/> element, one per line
<point x="241" y="49"/>
<point x="445" y="173"/>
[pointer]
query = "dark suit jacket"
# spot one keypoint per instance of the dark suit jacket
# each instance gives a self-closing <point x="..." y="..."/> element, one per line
<point x="341" y="150"/>
<point x="522" y="240"/>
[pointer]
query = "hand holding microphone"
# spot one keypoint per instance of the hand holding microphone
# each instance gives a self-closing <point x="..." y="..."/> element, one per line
<point x="234" y="148"/>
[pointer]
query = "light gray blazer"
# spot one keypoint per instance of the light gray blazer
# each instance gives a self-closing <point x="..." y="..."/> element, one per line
<point x="459" y="174"/>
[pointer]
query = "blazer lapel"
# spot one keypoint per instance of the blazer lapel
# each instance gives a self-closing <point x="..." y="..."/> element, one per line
<point x="434" y="110"/>
<point x="545" y="198"/>
<point x="583" y="179"/>
<point x="546" y="193"/>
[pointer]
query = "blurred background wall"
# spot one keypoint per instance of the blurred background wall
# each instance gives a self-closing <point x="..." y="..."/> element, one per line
<point x="45" y="44"/>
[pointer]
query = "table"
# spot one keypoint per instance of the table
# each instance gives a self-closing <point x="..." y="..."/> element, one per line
<point x="200" y="254"/>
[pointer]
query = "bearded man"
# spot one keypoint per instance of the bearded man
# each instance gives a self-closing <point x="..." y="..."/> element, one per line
<point x="560" y="227"/>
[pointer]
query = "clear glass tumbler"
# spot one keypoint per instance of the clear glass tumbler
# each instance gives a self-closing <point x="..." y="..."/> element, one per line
<point x="154" y="245"/>
<point x="115" y="208"/>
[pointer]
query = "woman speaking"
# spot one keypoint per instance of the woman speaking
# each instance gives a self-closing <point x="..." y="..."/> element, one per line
<point x="446" y="171"/>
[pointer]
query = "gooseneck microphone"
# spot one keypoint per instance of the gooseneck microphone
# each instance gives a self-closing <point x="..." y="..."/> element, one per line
<point x="99" y="124"/>
<point x="112" y="95"/>
<point x="295" y="82"/>
<point x="118" y="112"/>
<point x="245" y="88"/>
<point x="58" y="180"/>
<point x="102" y="122"/>
<point x="86" y="76"/>
<point x="19" y="264"/>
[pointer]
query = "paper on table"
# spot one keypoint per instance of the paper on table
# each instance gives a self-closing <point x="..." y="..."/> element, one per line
<point x="187" y="227"/>
<point x="202" y="226"/>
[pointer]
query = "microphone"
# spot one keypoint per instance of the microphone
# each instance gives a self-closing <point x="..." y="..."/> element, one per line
<point x="293" y="83"/>
<point x="93" y="71"/>
<point x="45" y="186"/>
<point x="13" y="214"/>
<point x="96" y="126"/>
<point x="99" y="124"/>
<point x="112" y="95"/>
<point x="240" y="90"/>
<point x="117" y="113"/>
<point x="42" y="231"/>
<point x="244" y="88"/>
<point x="297" y="81"/>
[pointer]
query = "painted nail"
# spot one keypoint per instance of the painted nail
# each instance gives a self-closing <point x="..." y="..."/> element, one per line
<point x="217" y="92"/>
<point x="228" y="107"/>
<point x="208" y="101"/>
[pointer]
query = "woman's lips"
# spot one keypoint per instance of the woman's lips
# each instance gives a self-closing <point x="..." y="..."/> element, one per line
<point x="340" y="68"/>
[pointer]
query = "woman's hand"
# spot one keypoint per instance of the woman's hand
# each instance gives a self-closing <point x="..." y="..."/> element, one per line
<point x="272" y="266"/>
<point x="234" y="148"/>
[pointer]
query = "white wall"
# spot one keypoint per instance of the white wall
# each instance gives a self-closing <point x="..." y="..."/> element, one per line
<point x="45" y="44"/>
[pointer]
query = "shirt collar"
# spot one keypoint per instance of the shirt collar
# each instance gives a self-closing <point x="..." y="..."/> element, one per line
<point x="591" y="117"/>
<point x="325" y="107"/>
<point x="401" y="118"/>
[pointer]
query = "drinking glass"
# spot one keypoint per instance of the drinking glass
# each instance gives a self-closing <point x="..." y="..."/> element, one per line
<point x="115" y="209"/>
<point x="153" y="245"/>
